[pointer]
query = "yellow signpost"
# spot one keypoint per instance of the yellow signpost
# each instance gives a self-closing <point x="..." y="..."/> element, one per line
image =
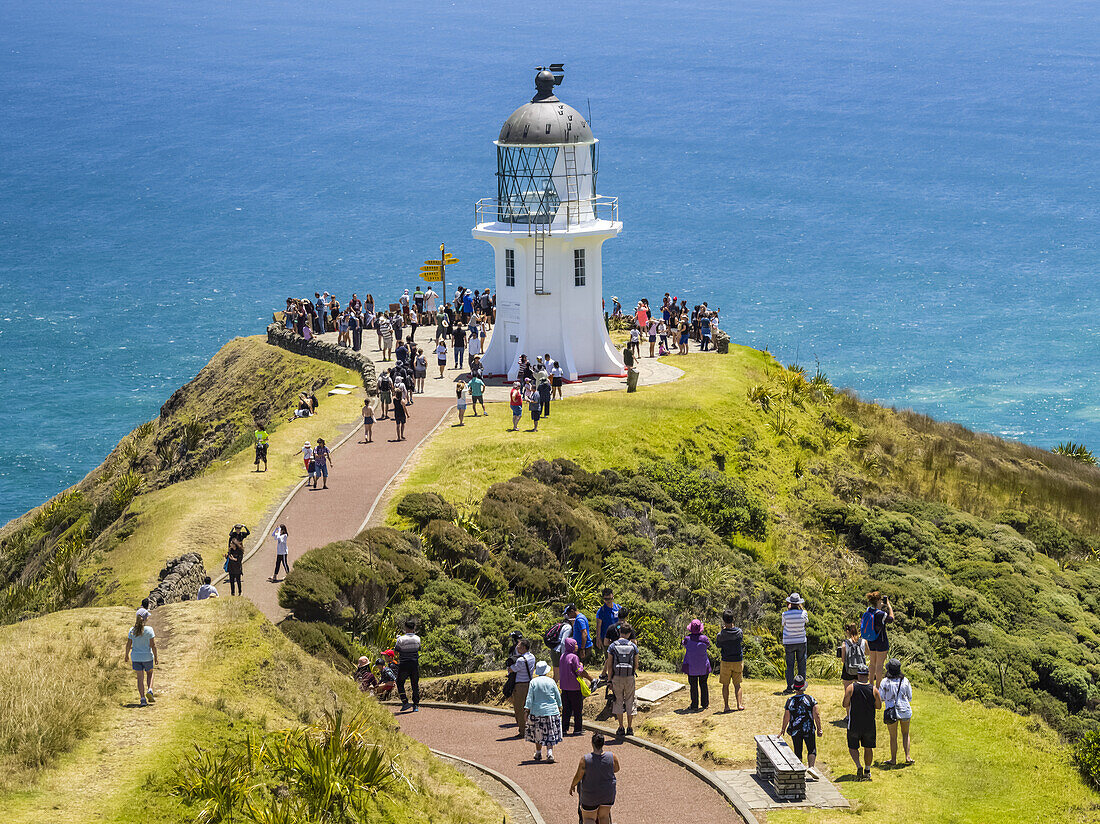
<point x="435" y="271"/>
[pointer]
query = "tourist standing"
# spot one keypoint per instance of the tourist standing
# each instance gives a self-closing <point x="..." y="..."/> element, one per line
<point x="261" y="438"/>
<point x="606" y="616"/>
<point x="368" y="420"/>
<point x="622" y="666"/>
<point x="322" y="458"/>
<point x="795" y="619"/>
<point x="861" y="699"/>
<point x="801" y="717"/>
<point x="704" y="332"/>
<point x="420" y="370"/>
<point x="697" y="665"/>
<point x="570" y="671"/>
<point x="141" y="650"/>
<point x="872" y="628"/>
<point x="459" y="338"/>
<point x="460" y="392"/>
<point x="557" y="378"/>
<point x="565" y="630"/>
<point x="408" y="665"/>
<point x="545" y="394"/>
<point x="477" y="393"/>
<point x="595" y="778"/>
<point x="534" y="404"/>
<point x="515" y="400"/>
<point x="581" y="632"/>
<point x="385" y="392"/>
<point x="430" y="298"/>
<point x="400" y="414"/>
<point x="897" y="697"/>
<point x="234" y="563"/>
<point x="441" y="356"/>
<point x="543" y="707"/>
<point x="385" y="334"/>
<point x="730" y="643"/>
<point x="523" y="667"/>
<point x="852" y="654"/>
<point x="280" y="536"/>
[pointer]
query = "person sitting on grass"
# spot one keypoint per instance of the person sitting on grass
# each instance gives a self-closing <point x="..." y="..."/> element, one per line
<point x="801" y="717"/>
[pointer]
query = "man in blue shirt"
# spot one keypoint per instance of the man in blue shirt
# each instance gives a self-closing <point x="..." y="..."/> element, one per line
<point x="607" y="616"/>
<point x="581" y="633"/>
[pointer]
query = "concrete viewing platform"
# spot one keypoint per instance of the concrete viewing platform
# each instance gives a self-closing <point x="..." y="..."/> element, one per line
<point x="651" y="370"/>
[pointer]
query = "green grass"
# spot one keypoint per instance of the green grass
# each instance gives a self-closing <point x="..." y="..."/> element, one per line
<point x="196" y="515"/>
<point x="601" y="429"/>
<point x="225" y="670"/>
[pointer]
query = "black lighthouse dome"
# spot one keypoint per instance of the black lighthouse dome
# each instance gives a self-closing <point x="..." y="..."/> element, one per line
<point x="545" y="121"/>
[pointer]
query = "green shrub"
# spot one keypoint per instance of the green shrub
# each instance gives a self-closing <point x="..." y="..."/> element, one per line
<point x="311" y="596"/>
<point x="423" y="507"/>
<point x="1086" y="755"/>
<point x="721" y="502"/>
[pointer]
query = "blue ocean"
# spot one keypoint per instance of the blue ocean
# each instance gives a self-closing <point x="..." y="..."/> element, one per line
<point x="903" y="193"/>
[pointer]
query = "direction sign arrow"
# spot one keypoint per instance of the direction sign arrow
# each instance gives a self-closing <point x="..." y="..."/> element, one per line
<point x="431" y="278"/>
<point x="433" y="263"/>
<point x="449" y="260"/>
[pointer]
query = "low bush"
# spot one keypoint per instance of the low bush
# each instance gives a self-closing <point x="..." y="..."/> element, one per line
<point x="424" y="507"/>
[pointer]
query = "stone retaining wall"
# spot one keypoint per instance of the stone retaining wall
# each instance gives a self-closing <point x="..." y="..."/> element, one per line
<point x="278" y="335"/>
<point x="179" y="580"/>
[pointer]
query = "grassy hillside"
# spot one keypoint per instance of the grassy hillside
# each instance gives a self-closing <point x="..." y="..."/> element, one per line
<point x="75" y="749"/>
<point x="175" y="484"/>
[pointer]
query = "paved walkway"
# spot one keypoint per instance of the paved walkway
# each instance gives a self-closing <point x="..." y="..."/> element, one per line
<point x="313" y="518"/>
<point x="651" y="789"/>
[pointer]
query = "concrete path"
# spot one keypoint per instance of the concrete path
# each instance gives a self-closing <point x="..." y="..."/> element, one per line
<point x="313" y="518"/>
<point x="651" y="789"/>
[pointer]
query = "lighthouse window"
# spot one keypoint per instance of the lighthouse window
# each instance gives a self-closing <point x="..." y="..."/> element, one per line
<point x="509" y="267"/>
<point x="578" y="267"/>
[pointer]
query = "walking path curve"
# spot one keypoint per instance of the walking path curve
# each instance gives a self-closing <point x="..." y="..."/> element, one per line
<point x="651" y="788"/>
<point x="359" y="475"/>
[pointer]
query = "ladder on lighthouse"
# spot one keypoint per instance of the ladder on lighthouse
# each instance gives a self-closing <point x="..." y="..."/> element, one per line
<point x="540" y="258"/>
<point x="572" y="187"/>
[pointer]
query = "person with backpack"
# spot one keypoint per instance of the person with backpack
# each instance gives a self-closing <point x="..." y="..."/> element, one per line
<point x="795" y="619"/>
<point x="730" y="643"/>
<point x="872" y="628"/>
<point x="861" y="700"/>
<point x="801" y="716"/>
<point x="897" y="697"/>
<point x="523" y="668"/>
<point x="554" y="638"/>
<point x="622" y="666"/>
<point x="385" y="390"/>
<point x="852" y="652"/>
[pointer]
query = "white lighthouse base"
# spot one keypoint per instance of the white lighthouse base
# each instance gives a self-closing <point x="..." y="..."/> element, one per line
<point x="564" y="318"/>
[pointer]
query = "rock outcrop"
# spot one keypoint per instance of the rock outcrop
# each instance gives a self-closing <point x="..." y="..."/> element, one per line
<point x="179" y="580"/>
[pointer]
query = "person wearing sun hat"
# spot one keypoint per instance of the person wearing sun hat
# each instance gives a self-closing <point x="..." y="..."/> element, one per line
<point x="543" y="708"/>
<point x="795" y="619"/>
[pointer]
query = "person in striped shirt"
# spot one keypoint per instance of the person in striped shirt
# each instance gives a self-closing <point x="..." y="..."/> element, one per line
<point x="795" y="619"/>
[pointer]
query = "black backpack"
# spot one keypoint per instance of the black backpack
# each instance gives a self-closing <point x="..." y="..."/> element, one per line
<point x="552" y="636"/>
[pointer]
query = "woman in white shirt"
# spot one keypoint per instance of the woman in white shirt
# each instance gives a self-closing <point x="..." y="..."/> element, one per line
<point x="897" y="697"/>
<point x="280" y="552"/>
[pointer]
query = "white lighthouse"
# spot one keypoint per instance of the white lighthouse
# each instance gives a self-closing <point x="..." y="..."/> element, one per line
<point x="547" y="226"/>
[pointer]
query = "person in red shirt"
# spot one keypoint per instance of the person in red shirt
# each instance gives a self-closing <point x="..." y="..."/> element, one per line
<point x="516" y="400"/>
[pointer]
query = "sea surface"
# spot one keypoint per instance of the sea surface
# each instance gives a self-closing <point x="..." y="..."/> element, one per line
<point x="902" y="193"/>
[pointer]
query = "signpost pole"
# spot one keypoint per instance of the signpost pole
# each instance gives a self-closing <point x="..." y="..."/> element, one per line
<point x="443" y="271"/>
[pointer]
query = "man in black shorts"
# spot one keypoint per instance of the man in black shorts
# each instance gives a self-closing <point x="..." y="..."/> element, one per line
<point x="861" y="699"/>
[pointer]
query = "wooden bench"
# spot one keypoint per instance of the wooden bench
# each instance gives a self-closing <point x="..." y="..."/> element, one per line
<point x="777" y="763"/>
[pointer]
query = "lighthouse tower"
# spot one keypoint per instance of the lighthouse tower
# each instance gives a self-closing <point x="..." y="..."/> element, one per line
<point x="547" y="226"/>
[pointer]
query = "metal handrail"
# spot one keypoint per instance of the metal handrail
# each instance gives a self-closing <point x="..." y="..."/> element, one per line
<point x="603" y="208"/>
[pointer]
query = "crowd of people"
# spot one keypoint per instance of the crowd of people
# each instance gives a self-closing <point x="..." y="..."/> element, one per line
<point x="673" y="325"/>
